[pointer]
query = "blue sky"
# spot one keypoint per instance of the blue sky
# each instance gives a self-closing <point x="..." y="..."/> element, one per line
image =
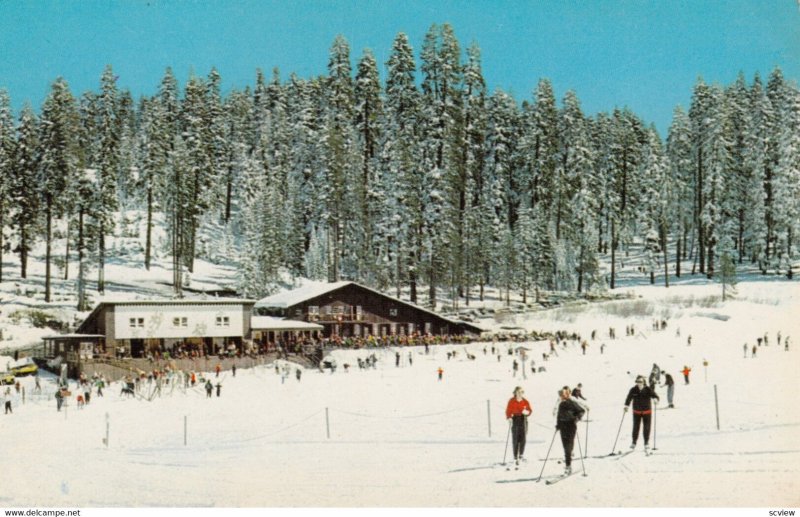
<point x="642" y="54"/>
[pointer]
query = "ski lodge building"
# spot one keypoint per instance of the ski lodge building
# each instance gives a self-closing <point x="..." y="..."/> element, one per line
<point x="144" y="328"/>
<point x="348" y="309"/>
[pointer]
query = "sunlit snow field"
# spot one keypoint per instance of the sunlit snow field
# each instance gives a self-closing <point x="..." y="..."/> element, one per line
<point x="400" y="437"/>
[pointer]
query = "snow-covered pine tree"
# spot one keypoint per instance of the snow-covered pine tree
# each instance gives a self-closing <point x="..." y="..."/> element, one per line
<point x="736" y="97"/>
<point x="658" y="202"/>
<point x="441" y="86"/>
<point x="754" y="236"/>
<point x="7" y="143"/>
<point x="24" y="186"/>
<point x="106" y="163"/>
<point x="623" y="193"/>
<point x="787" y="182"/>
<point x="716" y="213"/>
<point x="368" y="194"/>
<point x="777" y="94"/>
<point x="340" y="157"/>
<point x="58" y="159"/>
<point x="701" y="116"/>
<point x="576" y="203"/>
<point x="679" y="152"/>
<point x="401" y="226"/>
<point x="472" y="254"/>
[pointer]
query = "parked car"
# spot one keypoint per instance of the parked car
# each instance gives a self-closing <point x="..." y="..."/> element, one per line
<point x="7" y="378"/>
<point x="24" y="367"/>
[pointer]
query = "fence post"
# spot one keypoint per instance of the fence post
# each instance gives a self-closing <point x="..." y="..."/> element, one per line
<point x="716" y="405"/>
<point x="489" y="416"/>
<point x="327" y="424"/>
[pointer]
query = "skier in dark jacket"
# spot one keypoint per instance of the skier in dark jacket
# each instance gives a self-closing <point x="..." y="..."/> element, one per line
<point x="569" y="413"/>
<point x="640" y="395"/>
<point x="517" y="412"/>
<point x="670" y="384"/>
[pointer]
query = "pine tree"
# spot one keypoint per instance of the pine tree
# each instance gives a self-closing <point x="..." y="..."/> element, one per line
<point x="24" y="185"/>
<point x="58" y="158"/>
<point x="401" y="227"/>
<point x="368" y="113"/>
<point x="6" y="166"/>
<point x="107" y="165"/>
<point x="679" y="152"/>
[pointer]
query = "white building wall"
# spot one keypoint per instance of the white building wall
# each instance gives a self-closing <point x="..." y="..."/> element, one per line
<point x="158" y="321"/>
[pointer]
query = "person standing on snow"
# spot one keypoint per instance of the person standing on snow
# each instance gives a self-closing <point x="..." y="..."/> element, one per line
<point x="686" y="370"/>
<point x="640" y="395"/>
<point x="209" y="388"/>
<point x="670" y="384"/>
<point x="577" y="393"/>
<point x="517" y="412"/>
<point x="7" y="399"/>
<point x="568" y="416"/>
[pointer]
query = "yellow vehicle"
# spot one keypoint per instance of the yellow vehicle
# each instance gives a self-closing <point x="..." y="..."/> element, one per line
<point x="7" y="378"/>
<point x="28" y="367"/>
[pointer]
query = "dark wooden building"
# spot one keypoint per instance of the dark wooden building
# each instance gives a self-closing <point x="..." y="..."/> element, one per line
<point x="348" y="309"/>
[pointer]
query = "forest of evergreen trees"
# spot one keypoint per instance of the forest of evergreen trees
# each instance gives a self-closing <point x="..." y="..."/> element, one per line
<point x="425" y="180"/>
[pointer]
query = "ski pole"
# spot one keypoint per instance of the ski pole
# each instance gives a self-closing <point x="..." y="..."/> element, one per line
<point x="618" y="431"/>
<point x="586" y="448"/>
<point x="547" y="456"/>
<point x="507" y="437"/>
<point x="583" y="465"/>
<point x="655" y="434"/>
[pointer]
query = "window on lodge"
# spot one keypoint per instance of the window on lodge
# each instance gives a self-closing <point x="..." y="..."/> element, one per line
<point x="223" y="321"/>
<point x="313" y="312"/>
<point x="136" y="322"/>
<point x="180" y="321"/>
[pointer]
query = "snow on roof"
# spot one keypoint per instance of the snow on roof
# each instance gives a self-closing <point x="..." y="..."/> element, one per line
<point x="272" y="323"/>
<point x="207" y="301"/>
<point x="72" y="336"/>
<point x="301" y="294"/>
<point x="312" y="290"/>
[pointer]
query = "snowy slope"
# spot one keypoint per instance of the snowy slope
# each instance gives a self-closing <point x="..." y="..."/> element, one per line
<point x="400" y="437"/>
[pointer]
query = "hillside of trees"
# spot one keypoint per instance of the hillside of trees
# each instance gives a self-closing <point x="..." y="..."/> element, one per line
<point x="426" y="180"/>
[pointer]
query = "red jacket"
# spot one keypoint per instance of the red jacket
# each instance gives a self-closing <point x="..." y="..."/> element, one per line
<point x="515" y="407"/>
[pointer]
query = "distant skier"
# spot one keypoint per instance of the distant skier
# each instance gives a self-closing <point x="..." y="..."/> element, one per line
<point x="218" y="369"/>
<point x="655" y="376"/>
<point x="7" y="399"/>
<point x="209" y="388"/>
<point x="753" y="354"/>
<point x="583" y="346"/>
<point x="233" y="370"/>
<point x="397" y="359"/>
<point x="440" y="371"/>
<point x="298" y="373"/>
<point x="577" y="392"/>
<point x="517" y="411"/>
<point x="569" y="413"/>
<point x="219" y="388"/>
<point x="410" y="360"/>
<point x="686" y="371"/>
<point x="640" y="395"/>
<point x="669" y="382"/>
<point x="515" y="367"/>
<point x="602" y="348"/>
<point x="59" y="399"/>
<point x="744" y="347"/>
<point x="689" y="340"/>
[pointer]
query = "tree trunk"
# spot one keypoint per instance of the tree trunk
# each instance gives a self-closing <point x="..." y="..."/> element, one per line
<point x="81" y="286"/>
<point x="678" y="252"/>
<point x="149" y="232"/>
<point x="66" y="254"/>
<point x="48" y="246"/>
<point x="101" y="273"/>
<point x="613" y="253"/>
<point x="23" y="250"/>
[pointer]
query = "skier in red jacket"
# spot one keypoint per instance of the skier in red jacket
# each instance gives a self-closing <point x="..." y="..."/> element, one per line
<point x="517" y="412"/>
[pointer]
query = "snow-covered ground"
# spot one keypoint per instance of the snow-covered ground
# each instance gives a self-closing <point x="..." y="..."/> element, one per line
<point x="401" y="438"/>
